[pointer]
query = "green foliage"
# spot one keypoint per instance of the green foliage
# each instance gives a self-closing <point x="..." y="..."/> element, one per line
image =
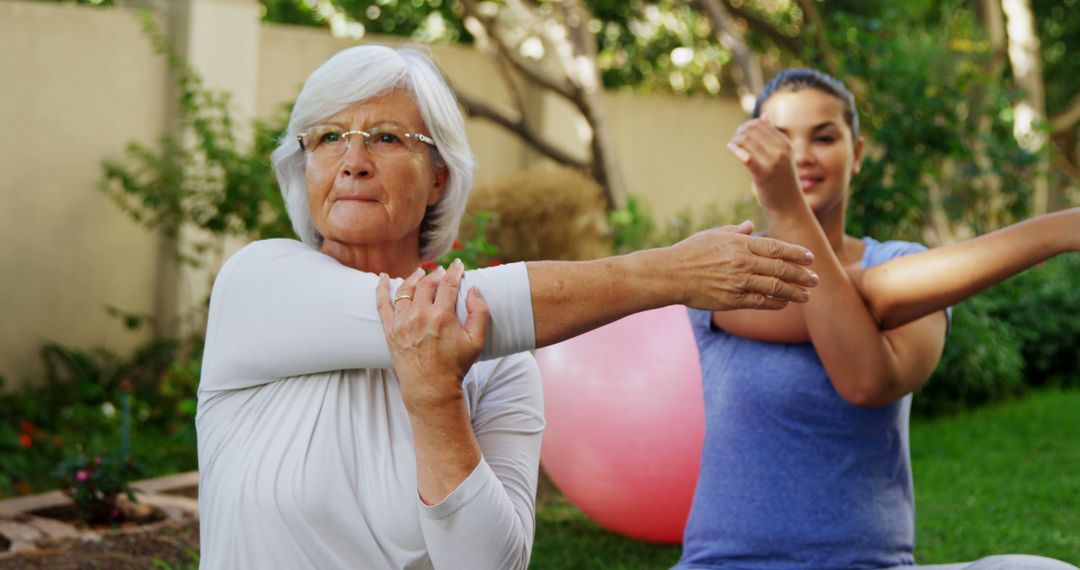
<point x="923" y="90"/>
<point x="79" y="409"/>
<point x="94" y="485"/>
<point x="1017" y="335"/>
<point x="981" y="362"/>
<point x="1041" y="306"/>
<point x="211" y="180"/>
<point x="421" y="20"/>
<point x="634" y="228"/>
<point x="473" y="248"/>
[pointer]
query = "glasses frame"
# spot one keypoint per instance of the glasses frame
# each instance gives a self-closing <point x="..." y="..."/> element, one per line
<point x="348" y="136"/>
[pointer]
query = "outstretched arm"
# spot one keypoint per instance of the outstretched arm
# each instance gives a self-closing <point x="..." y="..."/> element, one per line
<point x="281" y="309"/>
<point x="910" y="287"/>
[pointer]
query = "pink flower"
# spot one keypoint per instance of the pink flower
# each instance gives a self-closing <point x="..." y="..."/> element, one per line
<point x="81" y="475"/>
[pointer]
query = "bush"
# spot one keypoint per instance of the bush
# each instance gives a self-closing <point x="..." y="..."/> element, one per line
<point x="553" y="213"/>
<point x="1042" y="306"/>
<point x="982" y="362"/>
<point x="1019" y="334"/>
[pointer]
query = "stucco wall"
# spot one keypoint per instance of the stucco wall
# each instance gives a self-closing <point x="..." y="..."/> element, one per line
<point x="79" y="83"/>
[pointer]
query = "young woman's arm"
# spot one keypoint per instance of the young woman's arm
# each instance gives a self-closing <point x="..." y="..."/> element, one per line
<point x="868" y="367"/>
<point x="907" y="288"/>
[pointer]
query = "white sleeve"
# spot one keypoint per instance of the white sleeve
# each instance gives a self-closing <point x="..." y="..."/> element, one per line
<point x="280" y="308"/>
<point x="488" y="521"/>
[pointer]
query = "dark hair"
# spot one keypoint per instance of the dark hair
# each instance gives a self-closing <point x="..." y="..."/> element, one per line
<point x="798" y="79"/>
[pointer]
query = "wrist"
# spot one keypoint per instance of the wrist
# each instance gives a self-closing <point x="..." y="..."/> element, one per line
<point x="435" y="402"/>
<point x="654" y="277"/>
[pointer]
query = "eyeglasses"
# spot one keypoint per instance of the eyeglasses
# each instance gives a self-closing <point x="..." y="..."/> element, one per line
<point x="327" y="141"/>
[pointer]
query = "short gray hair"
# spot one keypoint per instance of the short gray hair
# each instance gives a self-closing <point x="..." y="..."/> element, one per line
<point x="360" y="73"/>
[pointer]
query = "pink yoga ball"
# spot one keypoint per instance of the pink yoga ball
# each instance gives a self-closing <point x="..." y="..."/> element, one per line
<point x="626" y="422"/>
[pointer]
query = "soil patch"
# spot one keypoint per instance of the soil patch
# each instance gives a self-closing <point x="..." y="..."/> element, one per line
<point x="175" y="543"/>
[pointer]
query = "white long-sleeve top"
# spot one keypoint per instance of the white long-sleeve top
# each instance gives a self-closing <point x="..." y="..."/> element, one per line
<point x="306" y="456"/>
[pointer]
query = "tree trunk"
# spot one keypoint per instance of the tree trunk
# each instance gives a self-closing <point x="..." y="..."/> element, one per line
<point x="1028" y="113"/>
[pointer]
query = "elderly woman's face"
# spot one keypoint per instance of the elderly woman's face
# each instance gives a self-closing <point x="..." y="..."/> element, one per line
<point x="374" y="199"/>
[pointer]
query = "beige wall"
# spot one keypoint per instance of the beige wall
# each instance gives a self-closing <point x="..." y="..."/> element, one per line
<point x="79" y="83"/>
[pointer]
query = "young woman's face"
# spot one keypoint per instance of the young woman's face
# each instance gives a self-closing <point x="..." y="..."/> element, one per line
<point x="825" y="155"/>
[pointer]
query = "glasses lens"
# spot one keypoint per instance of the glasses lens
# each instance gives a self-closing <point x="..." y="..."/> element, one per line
<point x="388" y="140"/>
<point x="324" y="140"/>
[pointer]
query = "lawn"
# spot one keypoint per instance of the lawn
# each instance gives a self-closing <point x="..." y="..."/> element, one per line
<point x="1004" y="478"/>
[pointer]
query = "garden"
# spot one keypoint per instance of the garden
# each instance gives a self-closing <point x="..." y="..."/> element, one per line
<point x="995" y="439"/>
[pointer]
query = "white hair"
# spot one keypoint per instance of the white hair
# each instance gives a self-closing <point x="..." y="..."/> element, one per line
<point x="360" y="73"/>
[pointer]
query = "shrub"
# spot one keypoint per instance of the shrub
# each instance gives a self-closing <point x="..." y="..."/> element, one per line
<point x="554" y="213"/>
<point x="1042" y="306"/>
<point x="94" y="485"/>
<point x="982" y="362"/>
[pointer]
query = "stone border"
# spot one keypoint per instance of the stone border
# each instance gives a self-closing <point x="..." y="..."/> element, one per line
<point x="25" y="530"/>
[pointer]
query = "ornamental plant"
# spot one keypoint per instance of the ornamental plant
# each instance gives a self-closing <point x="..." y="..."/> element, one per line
<point x="95" y="484"/>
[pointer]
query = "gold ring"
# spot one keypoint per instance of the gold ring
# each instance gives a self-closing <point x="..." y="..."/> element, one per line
<point x="401" y="297"/>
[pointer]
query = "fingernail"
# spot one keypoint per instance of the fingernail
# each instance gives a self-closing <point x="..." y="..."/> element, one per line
<point x="809" y="256"/>
<point x="458" y="262"/>
<point x="419" y="270"/>
<point x="805" y="296"/>
<point x="813" y="278"/>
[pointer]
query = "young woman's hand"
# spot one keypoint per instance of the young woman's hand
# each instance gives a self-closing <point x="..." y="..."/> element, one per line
<point x="431" y="350"/>
<point x="767" y="154"/>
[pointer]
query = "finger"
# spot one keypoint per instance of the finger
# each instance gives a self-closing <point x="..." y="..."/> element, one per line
<point x="447" y="294"/>
<point x="778" y="288"/>
<point x="769" y="247"/>
<point x="382" y="302"/>
<point x="425" y="289"/>
<point x="476" y="322"/>
<point x="407" y="288"/>
<point x="784" y="271"/>
<point x="762" y="302"/>
<point x="740" y="153"/>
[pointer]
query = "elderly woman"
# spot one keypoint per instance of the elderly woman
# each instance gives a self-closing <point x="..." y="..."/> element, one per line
<point x="324" y="443"/>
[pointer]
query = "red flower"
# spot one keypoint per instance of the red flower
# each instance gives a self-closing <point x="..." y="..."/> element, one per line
<point x="22" y="488"/>
<point x="25" y="441"/>
<point x="457" y="245"/>
<point x="28" y="428"/>
<point x="126" y="385"/>
<point x="494" y="264"/>
<point x="57" y="440"/>
<point x="429" y="266"/>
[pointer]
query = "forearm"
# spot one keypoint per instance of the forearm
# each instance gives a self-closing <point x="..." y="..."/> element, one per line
<point x="856" y="354"/>
<point x="572" y="297"/>
<point x="446" y="447"/>
<point x="910" y="287"/>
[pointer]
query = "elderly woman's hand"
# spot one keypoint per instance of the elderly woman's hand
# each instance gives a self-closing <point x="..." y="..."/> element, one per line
<point x="767" y="154"/>
<point x="431" y="350"/>
<point x="727" y="268"/>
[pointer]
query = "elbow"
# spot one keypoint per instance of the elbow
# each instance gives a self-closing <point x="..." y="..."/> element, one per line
<point x="869" y="395"/>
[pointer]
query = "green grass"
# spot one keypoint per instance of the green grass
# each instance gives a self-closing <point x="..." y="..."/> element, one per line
<point x="1005" y="478"/>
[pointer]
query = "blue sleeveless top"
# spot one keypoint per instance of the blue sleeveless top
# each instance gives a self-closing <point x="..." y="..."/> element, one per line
<point x="792" y="476"/>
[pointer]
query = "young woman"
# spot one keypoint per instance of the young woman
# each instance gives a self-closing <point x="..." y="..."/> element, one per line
<point x="806" y="462"/>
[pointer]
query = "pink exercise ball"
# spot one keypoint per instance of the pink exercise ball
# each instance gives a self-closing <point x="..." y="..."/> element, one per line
<point x="626" y="422"/>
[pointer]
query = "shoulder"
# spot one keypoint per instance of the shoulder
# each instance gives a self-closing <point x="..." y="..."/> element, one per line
<point x="263" y="255"/>
<point x="881" y="251"/>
